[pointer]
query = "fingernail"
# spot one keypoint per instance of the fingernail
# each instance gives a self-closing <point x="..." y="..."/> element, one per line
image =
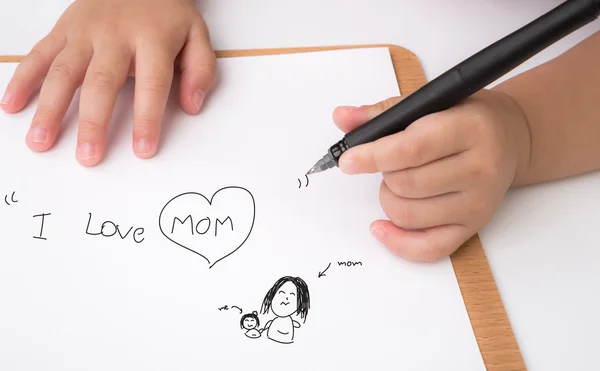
<point x="143" y="146"/>
<point x="85" y="151"/>
<point x="8" y="96"/>
<point x="38" y="134"/>
<point x="378" y="232"/>
<point x="198" y="99"/>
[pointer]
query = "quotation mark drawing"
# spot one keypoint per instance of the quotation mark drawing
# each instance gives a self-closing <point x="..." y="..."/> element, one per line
<point x="214" y="227"/>
<point x="12" y="199"/>
<point x="300" y="184"/>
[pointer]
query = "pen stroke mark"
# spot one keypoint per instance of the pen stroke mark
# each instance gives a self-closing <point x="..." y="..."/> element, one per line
<point x="322" y="274"/>
<point x="226" y="307"/>
<point x="300" y="182"/>
<point x="12" y="199"/>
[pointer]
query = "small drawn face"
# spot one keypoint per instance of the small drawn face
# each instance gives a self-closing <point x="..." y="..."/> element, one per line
<point x="249" y="323"/>
<point x="285" y="302"/>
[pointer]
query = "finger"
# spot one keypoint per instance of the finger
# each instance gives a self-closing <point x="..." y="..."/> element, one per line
<point x="30" y="72"/>
<point x="198" y="69"/>
<point x="347" y="118"/>
<point x="428" y="139"/>
<point x="423" y="213"/>
<point x="105" y="76"/>
<point x="64" y="77"/>
<point x="154" y="74"/>
<point x="433" y="179"/>
<point x="421" y="246"/>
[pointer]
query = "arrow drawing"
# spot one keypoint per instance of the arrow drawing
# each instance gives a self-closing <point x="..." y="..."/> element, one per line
<point x="238" y="308"/>
<point x="321" y="274"/>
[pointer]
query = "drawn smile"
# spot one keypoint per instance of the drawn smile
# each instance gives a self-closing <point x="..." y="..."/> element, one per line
<point x="282" y="303"/>
<point x="283" y="333"/>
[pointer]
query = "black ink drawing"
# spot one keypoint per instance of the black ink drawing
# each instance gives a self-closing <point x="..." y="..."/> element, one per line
<point x="288" y="296"/>
<point x="300" y="182"/>
<point x="350" y="264"/>
<point x="43" y="216"/>
<point x="322" y="274"/>
<point x="341" y="264"/>
<point x="250" y="323"/>
<point x="213" y="228"/>
<point x="109" y="229"/>
<point x="226" y="307"/>
<point x="12" y="199"/>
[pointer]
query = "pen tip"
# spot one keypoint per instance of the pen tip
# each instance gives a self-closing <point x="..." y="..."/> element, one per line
<point x="323" y="164"/>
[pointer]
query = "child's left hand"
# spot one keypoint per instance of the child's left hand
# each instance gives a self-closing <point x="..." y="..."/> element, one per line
<point x="445" y="175"/>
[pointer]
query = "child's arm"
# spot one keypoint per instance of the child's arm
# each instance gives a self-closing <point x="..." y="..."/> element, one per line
<point x="561" y="100"/>
<point x="96" y="44"/>
<point x="447" y="173"/>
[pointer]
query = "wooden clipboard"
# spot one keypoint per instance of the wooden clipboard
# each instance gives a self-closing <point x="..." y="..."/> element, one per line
<point x="488" y="317"/>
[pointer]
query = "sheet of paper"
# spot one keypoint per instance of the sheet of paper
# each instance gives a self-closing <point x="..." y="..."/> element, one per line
<point x="218" y="253"/>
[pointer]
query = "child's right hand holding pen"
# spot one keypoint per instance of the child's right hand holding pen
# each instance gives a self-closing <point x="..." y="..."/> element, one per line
<point x="447" y="173"/>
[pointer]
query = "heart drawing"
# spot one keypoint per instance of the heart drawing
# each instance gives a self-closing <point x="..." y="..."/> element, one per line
<point x="213" y="228"/>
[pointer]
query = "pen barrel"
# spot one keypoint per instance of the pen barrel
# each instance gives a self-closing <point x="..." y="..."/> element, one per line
<point x="478" y="71"/>
<point x="504" y="55"/>
<point x="442" y="93"/>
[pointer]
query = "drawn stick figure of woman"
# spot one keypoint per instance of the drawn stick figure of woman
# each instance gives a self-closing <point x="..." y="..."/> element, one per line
<point x="250" y="323"/>
<point x="288" y="296"/>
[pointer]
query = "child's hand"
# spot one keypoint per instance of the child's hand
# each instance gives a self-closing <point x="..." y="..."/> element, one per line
<point x="445" y="174"/>
<point x="97" y="44"/>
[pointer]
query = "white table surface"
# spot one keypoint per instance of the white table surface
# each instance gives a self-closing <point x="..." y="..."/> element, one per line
<point x="544" y="243"/>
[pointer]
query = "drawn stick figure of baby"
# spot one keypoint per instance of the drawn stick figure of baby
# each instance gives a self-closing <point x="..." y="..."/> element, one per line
<point x="288" y="296"/>
<point x="250" y="323"/>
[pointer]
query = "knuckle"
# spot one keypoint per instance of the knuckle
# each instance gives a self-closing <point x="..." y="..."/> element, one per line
<point x="480" y="124"/>
<point x="36" y="56"/>
<point x="45" y="114"/>
<point x="60" y="70"/>
<point x="412" y="153"/>
<point x="485" y="168"/>
<point x="401" y="183"/>
<point x="157" y="84"/>
<point x="396" y="209"/>
<point x="383" y="105"/>
<point x="208" y="72"/>
<point x="91" y="127"/>
<point x="146" y="124"/>
<point x="386" y="104"/>
<point x="399" y="213"/>
<point x="101" y="79"/>
<point x="477" y="172"/>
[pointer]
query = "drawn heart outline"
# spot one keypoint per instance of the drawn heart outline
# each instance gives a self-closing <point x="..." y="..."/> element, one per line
<point x="210" y="202"/>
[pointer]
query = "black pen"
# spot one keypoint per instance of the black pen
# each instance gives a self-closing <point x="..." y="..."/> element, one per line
<point x="470" y="76"/>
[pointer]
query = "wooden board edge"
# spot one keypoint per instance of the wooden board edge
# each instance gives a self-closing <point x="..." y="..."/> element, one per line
<point x="408" y="81"/>
<point x="488" y="317"/>
<point x="484" y="305"/>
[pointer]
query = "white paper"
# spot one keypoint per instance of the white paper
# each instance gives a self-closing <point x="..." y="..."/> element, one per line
<point x="76" y="300"/>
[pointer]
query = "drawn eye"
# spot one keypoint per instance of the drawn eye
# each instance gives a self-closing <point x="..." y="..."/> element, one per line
<point x="281" y="292"/>
<point x="292" y="294"/>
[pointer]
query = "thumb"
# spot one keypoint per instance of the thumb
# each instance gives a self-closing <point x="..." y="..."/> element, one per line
<point x="198" y="64"/>
<point x="348" y="118"/>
